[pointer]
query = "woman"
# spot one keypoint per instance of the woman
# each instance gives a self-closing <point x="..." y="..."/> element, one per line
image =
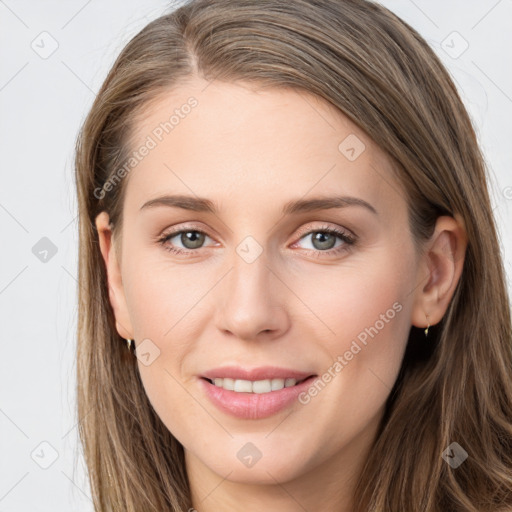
<point x="284" y="215"/>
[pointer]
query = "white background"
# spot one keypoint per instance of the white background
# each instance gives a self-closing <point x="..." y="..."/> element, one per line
<point x="42" y="104"/>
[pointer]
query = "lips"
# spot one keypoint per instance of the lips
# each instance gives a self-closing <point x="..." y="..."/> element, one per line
<point x="255" y="374"/>
<point x="253" y="406"/>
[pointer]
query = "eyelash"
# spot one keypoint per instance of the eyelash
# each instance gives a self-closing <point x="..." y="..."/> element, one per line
<point x="349" y="240"/>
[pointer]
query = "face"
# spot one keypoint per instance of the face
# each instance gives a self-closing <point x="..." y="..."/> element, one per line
<point x="280" y="273"/>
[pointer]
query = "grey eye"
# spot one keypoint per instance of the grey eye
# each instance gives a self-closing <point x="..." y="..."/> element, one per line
<point x="191" y="239"/>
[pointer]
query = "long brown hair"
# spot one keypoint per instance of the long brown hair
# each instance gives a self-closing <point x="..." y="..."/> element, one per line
<point x="381" y="73"/>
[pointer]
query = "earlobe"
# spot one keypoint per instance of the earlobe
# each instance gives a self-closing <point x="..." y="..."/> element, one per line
<point x="439" y="271"/>
<point x="115" y="284"/>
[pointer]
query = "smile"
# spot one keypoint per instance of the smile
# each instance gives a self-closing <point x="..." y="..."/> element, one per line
<point x="258" y="386"/>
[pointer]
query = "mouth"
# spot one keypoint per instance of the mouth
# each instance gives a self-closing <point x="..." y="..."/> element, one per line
<point x="255" y="399"/>
<point x="258" y="386"/>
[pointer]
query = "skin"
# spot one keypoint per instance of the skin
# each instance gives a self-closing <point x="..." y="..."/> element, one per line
<point x="298" y="305"/>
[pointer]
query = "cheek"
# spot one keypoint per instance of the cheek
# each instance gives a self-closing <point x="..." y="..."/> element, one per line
<point x="366" y="351"/>
<point x="364" y="299"/>
<point x="160" y="297"/>
<point x="165" y="305"/>
<point x="365" y="314"/>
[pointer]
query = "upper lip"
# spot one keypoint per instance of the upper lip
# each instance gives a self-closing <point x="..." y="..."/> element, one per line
<point x="254" y="374"/>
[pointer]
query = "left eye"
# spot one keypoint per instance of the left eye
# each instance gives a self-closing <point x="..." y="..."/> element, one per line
<point x="322" y="240"/>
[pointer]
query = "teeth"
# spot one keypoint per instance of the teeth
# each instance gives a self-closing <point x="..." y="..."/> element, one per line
<point x="258" y="386"/>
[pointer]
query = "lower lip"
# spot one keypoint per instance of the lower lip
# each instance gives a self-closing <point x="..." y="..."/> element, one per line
<point x="253" y="406"/>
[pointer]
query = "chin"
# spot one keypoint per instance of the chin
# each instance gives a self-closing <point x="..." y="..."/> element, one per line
<point x="260" y="474"/>
<point x="252" y="466"/>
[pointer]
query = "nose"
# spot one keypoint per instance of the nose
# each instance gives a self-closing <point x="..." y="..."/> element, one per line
<point x="251" y="301"/>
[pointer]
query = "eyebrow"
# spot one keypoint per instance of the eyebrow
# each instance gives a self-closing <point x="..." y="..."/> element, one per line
<point x="199" y="204"/>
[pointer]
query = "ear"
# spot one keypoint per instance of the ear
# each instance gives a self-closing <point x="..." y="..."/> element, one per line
<point x="115" y="284"/>
<point x="439" y="271"/>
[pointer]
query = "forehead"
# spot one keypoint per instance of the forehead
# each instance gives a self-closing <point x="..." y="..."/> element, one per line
<point x="247" y="146"/>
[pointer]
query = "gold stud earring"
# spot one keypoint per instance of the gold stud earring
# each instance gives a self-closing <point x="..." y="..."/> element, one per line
<point x="129" y="344"/>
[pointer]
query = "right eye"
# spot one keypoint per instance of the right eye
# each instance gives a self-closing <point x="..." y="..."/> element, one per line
<point x="190" y="239"/>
